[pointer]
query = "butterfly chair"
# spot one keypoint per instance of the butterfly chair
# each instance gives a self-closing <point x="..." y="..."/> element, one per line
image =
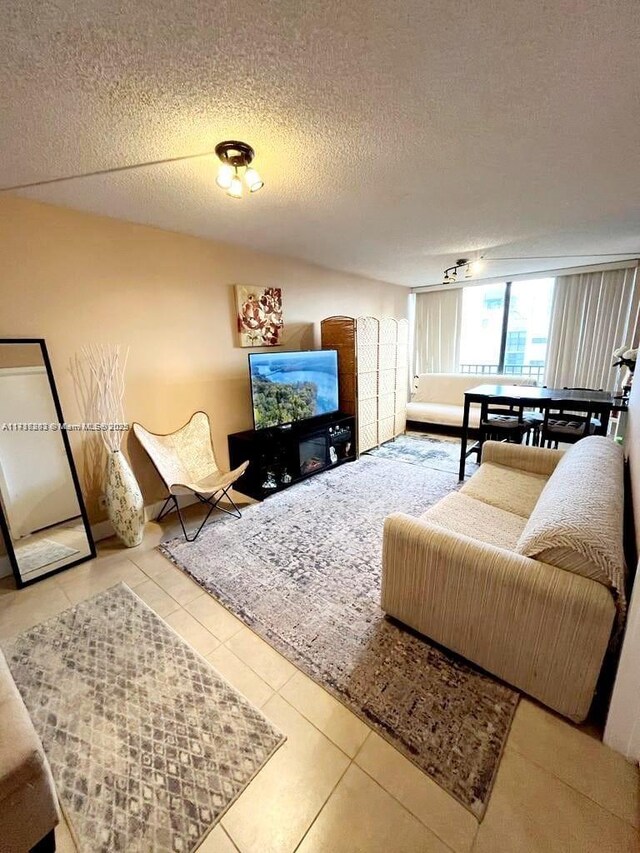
<point x="186" y="462"/>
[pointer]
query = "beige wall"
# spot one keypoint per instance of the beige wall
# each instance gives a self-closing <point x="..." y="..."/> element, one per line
<point x="75" y="278"/>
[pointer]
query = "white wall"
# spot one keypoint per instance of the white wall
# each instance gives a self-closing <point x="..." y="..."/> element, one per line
<point x="622" y="731"/>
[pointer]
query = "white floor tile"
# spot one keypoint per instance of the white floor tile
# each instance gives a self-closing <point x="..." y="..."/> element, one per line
<point x="361" y="816"/>
<point x="338" y="723"/>
<point x="430" y="803"/>
<point x="271" y="666"/>
<point x="274" y="812"/>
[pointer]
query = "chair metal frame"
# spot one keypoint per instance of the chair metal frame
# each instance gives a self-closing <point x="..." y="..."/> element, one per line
<point x="223" y="493"/>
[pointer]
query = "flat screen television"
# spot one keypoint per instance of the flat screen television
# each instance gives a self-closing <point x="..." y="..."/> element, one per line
<point x="292" y="386"/>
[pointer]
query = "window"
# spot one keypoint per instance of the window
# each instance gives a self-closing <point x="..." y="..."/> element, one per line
<point x="516" y="341"/>
<point x="514" y="349"/>
<point x="481" y="329"/>
<point x="492" y="302"/>
<point x="528" y="324"/>
<point x="505" y="327"/>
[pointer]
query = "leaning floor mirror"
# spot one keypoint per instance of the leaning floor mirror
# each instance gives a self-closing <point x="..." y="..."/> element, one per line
<point x="42" y="515"/>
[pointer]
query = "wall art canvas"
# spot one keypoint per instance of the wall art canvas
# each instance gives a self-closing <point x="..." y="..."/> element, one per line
<point x="259" y="316"/>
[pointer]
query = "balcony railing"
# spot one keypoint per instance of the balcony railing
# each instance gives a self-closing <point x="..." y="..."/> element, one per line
<point x="535" y="372"/>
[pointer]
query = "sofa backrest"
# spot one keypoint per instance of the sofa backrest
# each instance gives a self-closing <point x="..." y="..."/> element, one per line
<point x="577" y="523"/>
<point x="449" y="388"/>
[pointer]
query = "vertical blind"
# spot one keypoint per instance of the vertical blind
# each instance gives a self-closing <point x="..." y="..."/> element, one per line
<point x="437" y="331"/>
<point x="592" y="314"/>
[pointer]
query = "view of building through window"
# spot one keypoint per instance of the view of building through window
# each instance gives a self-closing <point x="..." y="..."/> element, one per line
<point x="496" y="340"/>
<point x="481" y="332"/>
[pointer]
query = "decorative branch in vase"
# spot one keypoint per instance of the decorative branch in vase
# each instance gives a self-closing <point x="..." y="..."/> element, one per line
<point x="100" y="376"/>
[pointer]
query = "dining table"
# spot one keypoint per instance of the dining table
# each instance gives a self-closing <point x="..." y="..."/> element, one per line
<point x="534" y="396"/>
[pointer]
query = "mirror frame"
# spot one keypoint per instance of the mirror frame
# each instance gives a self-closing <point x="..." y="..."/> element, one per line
<point x="4" y="527"/>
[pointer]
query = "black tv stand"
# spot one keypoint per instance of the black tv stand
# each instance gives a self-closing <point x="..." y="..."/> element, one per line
<point x="281" y="456"/>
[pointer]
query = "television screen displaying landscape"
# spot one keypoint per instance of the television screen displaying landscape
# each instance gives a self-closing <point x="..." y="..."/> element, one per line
<point x="292" y="386"/>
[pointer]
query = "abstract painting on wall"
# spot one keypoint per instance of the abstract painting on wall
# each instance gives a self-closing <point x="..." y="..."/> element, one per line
<point x="259" y="316"/>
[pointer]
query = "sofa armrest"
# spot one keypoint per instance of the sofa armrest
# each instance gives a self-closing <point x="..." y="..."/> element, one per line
<point x="542" y="629"/>
<point x="535" y="460"/>
<point x="28" y="802"/>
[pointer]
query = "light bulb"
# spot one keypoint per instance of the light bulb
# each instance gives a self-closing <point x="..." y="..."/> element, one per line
<point x="253" y="180"/>
<point x="235" y="188"/>
<point x="225" y="176"/>
<point x="476" y="266"/>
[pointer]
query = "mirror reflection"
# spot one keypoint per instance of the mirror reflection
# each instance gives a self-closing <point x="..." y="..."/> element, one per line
<point x="43" y="517"/>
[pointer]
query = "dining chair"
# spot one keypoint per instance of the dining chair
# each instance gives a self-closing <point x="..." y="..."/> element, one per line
<point x="506" y="422"/>
<point x="569" y="422"/>
<point x="186" y="462"/>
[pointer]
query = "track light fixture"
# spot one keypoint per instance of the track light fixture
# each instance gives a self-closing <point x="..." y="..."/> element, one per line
<point x="233" y="156"/>
<point x="470" y="269"/>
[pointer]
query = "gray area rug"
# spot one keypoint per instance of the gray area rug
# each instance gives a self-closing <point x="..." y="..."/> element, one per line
<point x="148" y="745"/>
<point x="43" y="552"/>
<point x="303" y="568"/>
<point x="419" y="448"/>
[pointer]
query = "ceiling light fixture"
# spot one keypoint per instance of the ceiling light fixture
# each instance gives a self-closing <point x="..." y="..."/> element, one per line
<point x="471" y="269"/>
<point x="233" y="156"/>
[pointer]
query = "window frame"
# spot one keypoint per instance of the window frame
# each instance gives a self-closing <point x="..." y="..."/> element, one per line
<point x="505" y="325"/>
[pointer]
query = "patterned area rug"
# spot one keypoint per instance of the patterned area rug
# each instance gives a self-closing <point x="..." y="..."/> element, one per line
<point x="303" y="570"/>
<point x="148" y="745"/>
<point x="421" y="449"/>
<point x="43" y="552"/>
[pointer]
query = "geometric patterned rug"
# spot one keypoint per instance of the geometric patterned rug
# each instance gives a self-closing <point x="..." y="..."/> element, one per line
<point x="148" y="745"/>
<point x="34" y="555"/>
<point x="303" y="568"/>
<point x="419" y="448"/>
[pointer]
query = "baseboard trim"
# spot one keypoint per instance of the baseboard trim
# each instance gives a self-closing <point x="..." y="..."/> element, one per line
<point x="104" y="529"/>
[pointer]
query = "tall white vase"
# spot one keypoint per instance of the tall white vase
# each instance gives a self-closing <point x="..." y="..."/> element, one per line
<point x="125" y="505"/>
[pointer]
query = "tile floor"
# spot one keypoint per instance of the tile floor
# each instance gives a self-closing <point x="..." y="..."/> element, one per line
<point x="336" y="785"/>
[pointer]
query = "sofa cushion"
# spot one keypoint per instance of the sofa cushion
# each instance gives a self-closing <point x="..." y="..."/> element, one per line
<point x="441" y="413"/>
<point x="459" y="513"/>
<point x="577" y="523"/>
<point x="510" y="489"/>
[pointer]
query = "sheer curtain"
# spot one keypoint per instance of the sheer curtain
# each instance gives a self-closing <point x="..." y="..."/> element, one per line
<point x="437" y="331"/>
<point x="592" y="314"/>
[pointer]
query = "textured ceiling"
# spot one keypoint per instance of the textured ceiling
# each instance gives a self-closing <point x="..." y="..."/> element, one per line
<point x="393" y="137"/>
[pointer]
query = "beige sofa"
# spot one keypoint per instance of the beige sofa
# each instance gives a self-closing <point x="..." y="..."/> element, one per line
<point x="28" y="803"/>
<point x="521" y="571"/>
<point x="438" y="399"/>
